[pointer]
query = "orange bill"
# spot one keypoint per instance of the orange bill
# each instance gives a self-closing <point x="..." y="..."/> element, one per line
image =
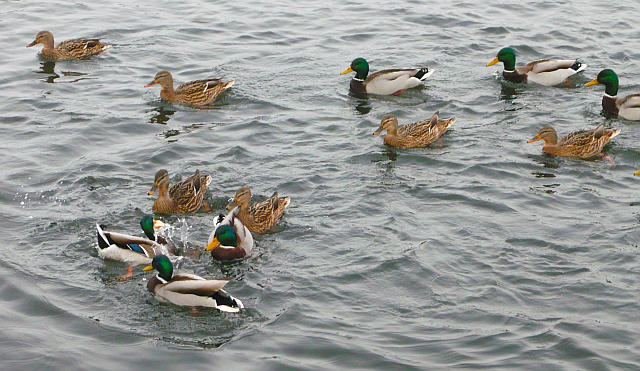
<point x="213" y="244"/>
<point x="534" y="139"/>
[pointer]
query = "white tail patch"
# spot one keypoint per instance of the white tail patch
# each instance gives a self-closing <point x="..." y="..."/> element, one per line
<point x="426" y="75"/>
<point x="615" y="133"/>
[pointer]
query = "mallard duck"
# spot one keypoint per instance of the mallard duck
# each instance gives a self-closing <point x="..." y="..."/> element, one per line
<point x="584" y="144"/>
<point x="150" y="226"/>
<point x="188" y="289"/>
<point x="418" y="134"/>
<point x="627" y="107"/>
<point x="129" y="249"/>
<point x="196" y="93"/>
<point x="186" y="196"/>
<point x="385" y="82"/>
<point x="230" y="238"/>
<point x="69" y="49"/>
<point x="547" y="72"/>
<point x="260" y="217"/>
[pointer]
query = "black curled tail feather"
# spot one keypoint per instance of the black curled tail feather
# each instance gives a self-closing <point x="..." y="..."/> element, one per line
<point x="576" y="66"/>
<point x="421" y="73"/>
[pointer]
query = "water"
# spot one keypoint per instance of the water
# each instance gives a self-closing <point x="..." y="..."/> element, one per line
<point x="480" y="252"/>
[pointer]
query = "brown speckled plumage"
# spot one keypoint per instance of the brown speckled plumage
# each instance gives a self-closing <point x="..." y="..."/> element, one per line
<point x="418" y="134"/>
<point x="196" y="93"/>
<point x="583" y="144"/>
<point x="260" y="217"/>
<point x="186" y="196"/>
<point x="69" y="49"/>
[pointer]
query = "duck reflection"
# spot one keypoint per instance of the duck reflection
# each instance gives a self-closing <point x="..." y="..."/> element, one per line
<point x="508" y="91"/>
<point x="360" y="103"/>
<point x="47" y="68"/>
<point x="548" y="161"/>
<point x="162" y="116"/>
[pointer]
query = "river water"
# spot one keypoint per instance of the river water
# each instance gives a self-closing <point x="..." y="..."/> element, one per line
<point x="478" y="252"/>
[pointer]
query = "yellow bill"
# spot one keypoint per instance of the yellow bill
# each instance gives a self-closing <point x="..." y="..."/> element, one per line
<point x="637" y="172"/>
<point x="213" y="244"/>
<point x="346" y="71"/>
<point x="157" y="224"/>
<point x="592" y="82"/>
<point x="493" y="61"/>
<point x="148" y="268"/>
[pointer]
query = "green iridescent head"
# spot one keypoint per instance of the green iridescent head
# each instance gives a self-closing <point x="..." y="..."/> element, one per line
<point x="146" y="223"/>
<point x="360" y="67"/>
<point x="609" y="79"/>
<point x="507" y="56"/>
<point x="163" y="265"/>
<point x="226" y="235"/>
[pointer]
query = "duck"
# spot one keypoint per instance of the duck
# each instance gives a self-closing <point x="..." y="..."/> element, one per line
<point x="150" y="226"/>
<point x="69" y="49"/>
<point x="627" y="107"/>
<point x="194" y="93"/>
<point x="230" y="238"/>
<point x="127" y="248"/>
<point x="547" y="72"/>
<point x="189" y="289"/>
<point x="385" y="82"/>
<point x="584" y="144"/>
<point x="418" y="134"/>
<point x="261" y="217"/>
<point x="186" y="196"/>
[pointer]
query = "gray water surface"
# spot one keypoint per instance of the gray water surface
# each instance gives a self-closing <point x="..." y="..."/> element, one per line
<point x="479" y="252"/>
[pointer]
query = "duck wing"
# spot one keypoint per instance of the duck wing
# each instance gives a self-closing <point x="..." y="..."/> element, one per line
<point x="183" y="283"/>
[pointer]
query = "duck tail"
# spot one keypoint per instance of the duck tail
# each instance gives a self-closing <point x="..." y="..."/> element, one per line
<point x="103" y="240"/>
<point x="284" y="201"/>
<point x="423" y="73"/>
<point x="614" y="132"/>
<point x="578" y="66"/>
<point x="226" y="302"/>
<point x="228" y="84"/>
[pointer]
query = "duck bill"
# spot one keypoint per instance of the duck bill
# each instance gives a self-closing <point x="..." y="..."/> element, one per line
<point x="347" y="70"/>
<point x="151" y="84"/>
<point x="148" y="268"/>
<point x="32" y="44"/>
<point x="493" y="61"/>
<point x="231" y="206"/>
<point x="592" y="82"/>
<point x="157" y="224"/>
<point x="534" y="139"/>
<point x="378" y="131"/>
<point x="213" y="244"/>
<point x="637" y="172"/>
<point x="152" y="190"/>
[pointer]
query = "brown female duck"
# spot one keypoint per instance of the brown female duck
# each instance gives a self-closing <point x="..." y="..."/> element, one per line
<point x="584" y="144"/>
<point x="260" y="217"/>
<point x="418" y="134"/>
<point x="186" y="196"/>
<point x="70" y="49"/>
<point x="196" y="93"/>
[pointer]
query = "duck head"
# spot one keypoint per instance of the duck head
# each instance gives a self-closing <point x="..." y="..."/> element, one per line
<point x="163" y="265"/>
<point x="609" y="79"/>
<point x="507" y="56"/>
<point x="546" y="133"/>
<point x="224" y="235"/>
<point x="43" y="37"/>
<point x="360" y="67"/>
